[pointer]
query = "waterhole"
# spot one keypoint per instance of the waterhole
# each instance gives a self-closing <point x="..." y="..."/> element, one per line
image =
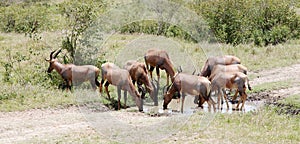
<point x="189" y="107"/>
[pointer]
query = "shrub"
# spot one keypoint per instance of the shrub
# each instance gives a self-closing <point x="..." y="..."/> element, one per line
<point x="79" y="15"/>
<point x="263" y="22"/>
<point x="153" y="27"/>
<point x="29" y="17"/>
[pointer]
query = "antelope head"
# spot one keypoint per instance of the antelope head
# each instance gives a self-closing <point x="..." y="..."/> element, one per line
<point x="52" y="60"/>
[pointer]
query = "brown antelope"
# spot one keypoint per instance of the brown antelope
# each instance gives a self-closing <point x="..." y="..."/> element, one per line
<point x="230" y="80"/>
<point x="73" y="74"/>
<point x="139" y="75"/>
<point x="222" y="60"/>
<point x="122" y="80"/>
<point x="189" y="84"/>
<point x="228" y="68"/>
<point x="159" y="59"/>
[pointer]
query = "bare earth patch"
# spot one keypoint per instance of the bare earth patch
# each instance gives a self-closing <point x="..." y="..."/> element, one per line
<point x="59" y="124"/>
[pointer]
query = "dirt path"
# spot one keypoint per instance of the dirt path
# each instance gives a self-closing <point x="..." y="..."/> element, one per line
<point x="41" y="124"/>
<point x="291" y="73"/>
<point x="278" y="74"/>
<point x="55" y="125"/>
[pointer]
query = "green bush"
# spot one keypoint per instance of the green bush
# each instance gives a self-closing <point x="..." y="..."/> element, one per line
<point x="263" y="22"/>
<point x="29" y="17"/>
<point x="156" y="28"/>
<point x="79" y="15"/>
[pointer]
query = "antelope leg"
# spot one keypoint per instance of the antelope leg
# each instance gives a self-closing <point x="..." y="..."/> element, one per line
<point x="183" y="97"/>
<point x="100" y="87"/>
<point x="150" y="71"/>
<point x="167" y="78"/>
<point x="119" y="97"/>
<point x="237" y="106"/>
<point x="244" y="99"/>
<point x="125" y="99"/>
<point x="157" y="72"/>
<point x="225" y="97"/>
<point x="234" y="97"/>
<point x="219" y="98"/>
<point x="106" y="89"/>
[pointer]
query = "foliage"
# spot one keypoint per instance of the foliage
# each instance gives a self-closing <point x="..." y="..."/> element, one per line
<point x="155" y="28"/>
<point x="15" y="73"/>
<point x="263" y="22"/>
<point x="27" y="17"/>
<point x="79" y="15"/>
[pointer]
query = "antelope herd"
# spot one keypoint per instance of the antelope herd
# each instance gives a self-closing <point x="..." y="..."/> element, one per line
<point x="218" y="74"/>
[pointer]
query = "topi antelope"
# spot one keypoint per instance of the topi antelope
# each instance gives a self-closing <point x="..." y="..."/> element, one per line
<point x="231" y="80"/>
<point x="139" y="75"/>
<point x="159" y="59"/>
<point x="73" y="74"/>
<point x="189" y="84"/>
<point x="122" y="80"/>
<point x="228" y="68"/>
<point x="222" y="60"/>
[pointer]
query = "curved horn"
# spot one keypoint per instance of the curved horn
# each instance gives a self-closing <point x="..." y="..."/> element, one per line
<point x="164" y="89"/>
<point x="57" y="53"/>
<point x="51" y="54"/>
<point x="179" y="69"/>
<point x="194" y="72"/>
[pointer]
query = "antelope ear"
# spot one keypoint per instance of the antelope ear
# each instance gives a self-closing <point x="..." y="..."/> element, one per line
<point x="47" y="60"/>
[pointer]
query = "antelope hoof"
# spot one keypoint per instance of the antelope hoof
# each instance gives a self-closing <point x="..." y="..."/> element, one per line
<point x="234" y="102"/>
<point x="165" y="107"/>
<point x="236" y="109"/>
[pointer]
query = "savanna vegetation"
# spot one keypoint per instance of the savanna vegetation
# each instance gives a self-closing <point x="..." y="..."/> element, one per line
<point x="263" y="33"/>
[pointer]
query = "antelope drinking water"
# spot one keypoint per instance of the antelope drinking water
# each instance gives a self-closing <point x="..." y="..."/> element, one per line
<point x="122" y="80"/>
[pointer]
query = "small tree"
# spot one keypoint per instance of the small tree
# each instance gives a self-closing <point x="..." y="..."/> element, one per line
<point x="79" y="15"/>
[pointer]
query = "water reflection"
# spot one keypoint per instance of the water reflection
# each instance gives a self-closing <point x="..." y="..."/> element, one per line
<point x="190" y="108"/>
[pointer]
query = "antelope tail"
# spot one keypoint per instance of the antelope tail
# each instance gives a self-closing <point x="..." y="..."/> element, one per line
<point x="249" y="87"/>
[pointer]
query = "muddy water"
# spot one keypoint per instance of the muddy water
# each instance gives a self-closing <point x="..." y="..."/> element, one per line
<point x="190" y="108"/>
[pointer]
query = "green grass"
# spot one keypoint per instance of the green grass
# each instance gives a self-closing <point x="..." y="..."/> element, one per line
<point x="24" y="97"/>
<point x="263" y="126"/>
<point x="271" y="86"/>
<point x="293" y="101"/>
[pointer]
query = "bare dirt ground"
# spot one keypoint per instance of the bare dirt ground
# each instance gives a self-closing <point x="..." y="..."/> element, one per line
<point x="57" y="124"/>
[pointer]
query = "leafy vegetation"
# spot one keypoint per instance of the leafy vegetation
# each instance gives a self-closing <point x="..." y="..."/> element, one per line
<point x="155" y="28"/>
<point x="79" y="15"/>
<point x="263" y="22"/>
<point x="29" y="17"/>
